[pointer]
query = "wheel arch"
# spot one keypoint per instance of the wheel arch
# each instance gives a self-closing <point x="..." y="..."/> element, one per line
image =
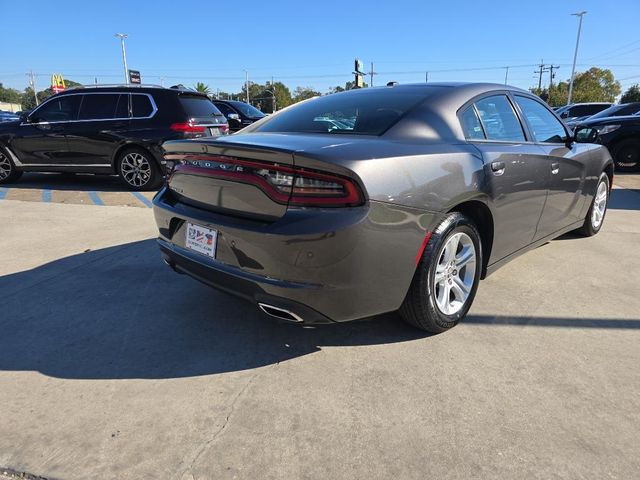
<point x="131" y="146"/>
<point x="480" y="213"/>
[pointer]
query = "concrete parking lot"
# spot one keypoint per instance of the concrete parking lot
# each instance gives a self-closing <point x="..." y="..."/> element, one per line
<point x="113" y="366"/>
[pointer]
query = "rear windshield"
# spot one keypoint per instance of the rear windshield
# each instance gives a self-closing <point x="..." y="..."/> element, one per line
<point x="198" y="106"/>
<point x="248" y="110"/>
<point x="362" y="112"/>
<point x="618" y="110"/>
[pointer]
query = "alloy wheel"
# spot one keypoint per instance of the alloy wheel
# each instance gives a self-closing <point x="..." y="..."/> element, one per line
<point x="135" y="169"/>
<point x="599" y="205"/>
<point x="5" y="167"/>
<point x="455" y="273"/>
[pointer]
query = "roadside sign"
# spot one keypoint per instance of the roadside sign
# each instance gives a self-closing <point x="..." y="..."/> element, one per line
<point x="134" y="76"/>
<point x="57" y="83"/>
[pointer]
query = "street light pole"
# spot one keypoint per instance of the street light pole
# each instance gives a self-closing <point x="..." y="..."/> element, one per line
<point x="122" y="36"/>
<point x="575" y="55"/>
<point x="246" y="84"/>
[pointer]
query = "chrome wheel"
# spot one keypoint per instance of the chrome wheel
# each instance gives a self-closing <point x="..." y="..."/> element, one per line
<point x="455" y="273"/>
<point x="135" y="169"/>
<point x="5" y="167"/>
<point x="599" y="205"/>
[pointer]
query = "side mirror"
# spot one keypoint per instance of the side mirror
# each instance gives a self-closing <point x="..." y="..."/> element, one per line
<point x="233" y="116"/>
<point x="564" y="114"/>
<point x="586" y="135"/>
<point x="24" y="117"/>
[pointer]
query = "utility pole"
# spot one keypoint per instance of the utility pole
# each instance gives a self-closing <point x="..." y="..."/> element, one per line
<point x="540" y="71"/>
<point x="426" y="77"/>
<point x="506" y="74"/>
<point x="162" y="81"/>
<point x="32" y="83"/>
<point x="122" y="36"/>
<point x="246" y="84"/>
<point x="371" y="74"/>
<point x="552" y="76"/>
<point x="575" y="55"/>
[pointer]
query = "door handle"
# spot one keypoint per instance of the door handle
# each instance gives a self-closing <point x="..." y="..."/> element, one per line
<point x="497" y="168"/>
<point x="555" y="168"/>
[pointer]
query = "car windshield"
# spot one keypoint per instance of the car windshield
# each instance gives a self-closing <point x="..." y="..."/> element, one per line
<point x="361" y="112"/>
<point x="248" y="110"/>
<point x="618" y="110"/>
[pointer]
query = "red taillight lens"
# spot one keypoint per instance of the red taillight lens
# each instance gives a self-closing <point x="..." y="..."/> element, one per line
<point x="283" y="184"/>
<point x="186" y="128"/>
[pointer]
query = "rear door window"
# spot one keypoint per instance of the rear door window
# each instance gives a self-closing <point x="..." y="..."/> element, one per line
<point x="499" y="119"/>
<point x="196" y="106"/>
<point x="122" y="109"/>
<point x="141" y="106"/>
<point x="98" y="106"/>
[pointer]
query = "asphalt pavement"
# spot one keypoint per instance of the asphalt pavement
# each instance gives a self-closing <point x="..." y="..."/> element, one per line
<point x="113" y="366"/>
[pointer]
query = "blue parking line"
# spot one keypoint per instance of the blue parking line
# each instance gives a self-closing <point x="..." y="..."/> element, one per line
<point x="46" y="195"/>
<point x="3" y="192"/>
<point x="142" y="198"/>
<point x="95" y="198"/>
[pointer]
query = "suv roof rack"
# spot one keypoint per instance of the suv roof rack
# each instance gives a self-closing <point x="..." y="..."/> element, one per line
<point x="111" y="85"/>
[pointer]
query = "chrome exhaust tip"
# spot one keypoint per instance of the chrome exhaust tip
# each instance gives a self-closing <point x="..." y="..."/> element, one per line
<point x="280" y="313"/>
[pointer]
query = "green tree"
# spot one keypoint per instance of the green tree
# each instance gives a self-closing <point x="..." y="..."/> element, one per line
<point x="202" y="88"/>
<point x="29" y="101"/>
<point x="594" y="85"/>
<point x="10" y="95"/>
<point x="631" y="95"/>
<point x="304" y="93"/>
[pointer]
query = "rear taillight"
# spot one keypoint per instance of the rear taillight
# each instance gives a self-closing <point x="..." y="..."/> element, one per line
<point x="282" y="183"/>
<point x="186" y="127"/>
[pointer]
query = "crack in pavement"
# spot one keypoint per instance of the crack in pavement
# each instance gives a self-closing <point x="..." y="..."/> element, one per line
<point x="206" y="444"/>
<point x="11" y="474"/>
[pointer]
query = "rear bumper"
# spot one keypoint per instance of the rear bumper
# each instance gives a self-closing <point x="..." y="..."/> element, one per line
<point x="237" y="282"/>
<point x="320" y="264"/>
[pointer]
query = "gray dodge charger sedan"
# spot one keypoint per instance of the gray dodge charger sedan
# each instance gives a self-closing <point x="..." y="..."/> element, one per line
<point x="380" y="199"/>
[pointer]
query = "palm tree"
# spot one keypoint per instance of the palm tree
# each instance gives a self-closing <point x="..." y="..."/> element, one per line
<point x="202" y="88"/>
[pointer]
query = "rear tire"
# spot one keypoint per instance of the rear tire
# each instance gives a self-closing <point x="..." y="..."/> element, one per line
<point x="138" y="170"/>
<point x="446" y="280"/>
<point x="8" y="171"/>
<point x="626" y="155"/>
<point x="598" y="209"/>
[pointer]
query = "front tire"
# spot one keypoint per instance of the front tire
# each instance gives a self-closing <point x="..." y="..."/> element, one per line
<point x="8" y="171"/>
<point x="598" y="209"/>
<point x="138" y="170"/>
<point x="446" y="280"/>
<point x="626" y="154"/>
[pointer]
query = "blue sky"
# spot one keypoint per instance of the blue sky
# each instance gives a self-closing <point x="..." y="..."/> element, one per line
<point x="311" y="43"/>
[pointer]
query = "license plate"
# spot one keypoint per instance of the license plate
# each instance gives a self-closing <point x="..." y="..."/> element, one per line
<point x="201" y="239"/>
<point x="215" y="131"/>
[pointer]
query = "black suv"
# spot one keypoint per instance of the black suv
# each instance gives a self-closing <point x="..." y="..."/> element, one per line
<point x="239" y="114"/>
<point x="106" y="130"/>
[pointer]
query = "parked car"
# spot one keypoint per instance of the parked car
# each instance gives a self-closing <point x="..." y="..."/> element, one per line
<point x="620" y="110"/>
<point x="239" y="114"/>
<point x="580" y="110"/>
<point x="8" y="117"/>
<point x="431" y="188"/>
<point x="621" y="135"/>
<point x="106" y="130"/>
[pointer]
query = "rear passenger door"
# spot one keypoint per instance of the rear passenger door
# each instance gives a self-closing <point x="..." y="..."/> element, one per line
<point x="566" y="164"/>
<point x="515" y="170"/>
<point x="102" y="124"/>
